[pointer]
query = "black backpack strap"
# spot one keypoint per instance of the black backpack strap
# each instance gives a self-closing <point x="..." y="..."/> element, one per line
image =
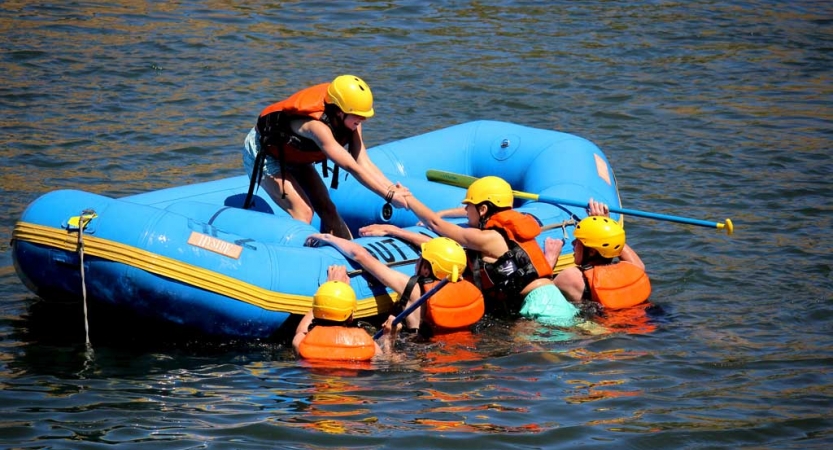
<point x="334" y="181"/>
<point x="282" y="163"/>
<point x="257" y="173"/>
<point x="586" y="295"/>
<point x="325" y="172"/>
<point x="409" y="288"/>
<point x="476" y="267"/>
<point x="272" y="132"/>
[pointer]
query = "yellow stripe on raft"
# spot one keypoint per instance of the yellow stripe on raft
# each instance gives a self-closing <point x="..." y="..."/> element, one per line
<point x="186" y="273"/>
<point x="564" y="261"/>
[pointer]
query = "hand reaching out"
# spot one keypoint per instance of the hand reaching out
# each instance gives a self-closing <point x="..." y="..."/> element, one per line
<point x="376" y="230"/>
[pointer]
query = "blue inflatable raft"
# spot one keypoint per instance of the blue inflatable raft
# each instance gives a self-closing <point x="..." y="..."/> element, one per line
<point x="189" y="256"/>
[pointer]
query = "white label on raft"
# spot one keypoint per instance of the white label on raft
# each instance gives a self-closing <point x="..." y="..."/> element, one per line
<point x="215" y="245"/>
<point x="601" y="168"/>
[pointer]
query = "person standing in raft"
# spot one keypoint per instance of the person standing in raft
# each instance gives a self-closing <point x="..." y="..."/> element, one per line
<point x="608" y="271"/>
<point x="505" y="260"/>
<point x="328" y="332"/>
<point x="312" y="126"/>
<point x="457" y="305"/>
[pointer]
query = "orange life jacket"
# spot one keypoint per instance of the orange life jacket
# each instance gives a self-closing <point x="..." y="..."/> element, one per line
<point x="454" y="306"/>
<point x="337" y="343"/>
<point x="277" y="137"/>
<point x="617" y="286"/>
<point x="522" y="264"/>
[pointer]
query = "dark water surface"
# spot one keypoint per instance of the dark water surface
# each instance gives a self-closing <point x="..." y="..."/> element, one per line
<point x="705" y="109"/>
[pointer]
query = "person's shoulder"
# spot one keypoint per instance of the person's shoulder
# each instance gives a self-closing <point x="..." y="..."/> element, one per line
<point x="303" y="121"/>
<point x="569" y="273"/>
<point x="311" y="128"/>
<point x="490" y="233"/>
<point x="297" y="339"/>
<point x="631" y="263"/>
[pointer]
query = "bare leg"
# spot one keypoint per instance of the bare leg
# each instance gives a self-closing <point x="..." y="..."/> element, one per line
<point x="295" y="202"/>
<point x="300" y="193"/>
<point x="319" y="200"/>
<point x="335" y="225"/>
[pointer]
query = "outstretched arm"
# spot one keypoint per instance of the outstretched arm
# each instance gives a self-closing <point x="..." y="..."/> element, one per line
<point x="487" y="242"/>
<point x="389" y="277"/>
<point x="450" y="212"/>
<point x="459" y="211"/>
<point x="359" y="153"/>
<point x="365" y="171"/>
<point x="393" y="230"/>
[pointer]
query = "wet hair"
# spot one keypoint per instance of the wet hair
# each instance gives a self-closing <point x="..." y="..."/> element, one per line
<point x="427" y="264"/>
<point x="491" y="210"/>
<point x="332" y="323"/>
<point x="331" y="110"/>
<point x="595" y="259"/>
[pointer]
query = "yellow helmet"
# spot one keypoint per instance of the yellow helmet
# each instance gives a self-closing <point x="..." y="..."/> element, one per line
<point x="447" y="258"/>
<point x="352" y="95"/>
<point x="492" y="189"/>
<point x="603" y="234"/>
<point x="334" y="300"/>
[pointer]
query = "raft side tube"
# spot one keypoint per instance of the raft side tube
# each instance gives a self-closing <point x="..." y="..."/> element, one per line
<point x="255" y="225"/>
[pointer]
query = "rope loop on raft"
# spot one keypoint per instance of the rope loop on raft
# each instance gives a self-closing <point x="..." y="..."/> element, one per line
<point x="84" y="218"/>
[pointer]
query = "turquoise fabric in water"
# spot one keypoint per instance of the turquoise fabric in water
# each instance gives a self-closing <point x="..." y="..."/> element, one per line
<point x="547" y="304"/>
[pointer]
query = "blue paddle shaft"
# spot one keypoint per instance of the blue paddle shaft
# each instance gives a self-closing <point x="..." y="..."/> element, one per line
<point x="399" y="318"/>
<point x="633" y="212"/>
<point x="464" y="181"/>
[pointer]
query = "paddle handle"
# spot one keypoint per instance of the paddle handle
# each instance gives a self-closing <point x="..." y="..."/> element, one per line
<point x="405" y="313"/>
